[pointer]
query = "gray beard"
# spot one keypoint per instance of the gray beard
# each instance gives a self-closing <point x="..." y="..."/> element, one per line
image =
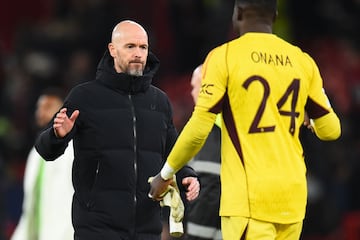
<point x="135" y="72"/>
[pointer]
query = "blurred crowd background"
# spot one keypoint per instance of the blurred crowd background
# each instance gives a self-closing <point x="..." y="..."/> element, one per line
<point x="46" y="43"/>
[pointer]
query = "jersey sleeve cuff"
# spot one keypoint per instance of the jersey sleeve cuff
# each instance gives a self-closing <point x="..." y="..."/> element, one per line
<point x="167" y="172"/>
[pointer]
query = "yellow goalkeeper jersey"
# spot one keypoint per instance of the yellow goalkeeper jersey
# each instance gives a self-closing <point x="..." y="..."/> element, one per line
<point x="262" y="85"/>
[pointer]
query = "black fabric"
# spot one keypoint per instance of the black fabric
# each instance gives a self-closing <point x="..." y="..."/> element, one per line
<point x="122" y="137"/>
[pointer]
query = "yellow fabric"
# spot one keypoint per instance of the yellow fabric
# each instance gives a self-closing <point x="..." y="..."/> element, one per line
<point x="260" y="84"/>
<point x="321" y="129"/>
<point x="218" y="120"/>
<point x="187" y="147"/>
<point x="234" y="228"/>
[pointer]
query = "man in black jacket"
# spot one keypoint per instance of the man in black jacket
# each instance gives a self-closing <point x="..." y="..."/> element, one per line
<point x="122" y="130"/>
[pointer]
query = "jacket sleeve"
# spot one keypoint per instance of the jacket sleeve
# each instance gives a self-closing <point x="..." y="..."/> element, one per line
<point x="49" y="146"/>
<point x="184" y="172"/>
<point x="172" y="133"/>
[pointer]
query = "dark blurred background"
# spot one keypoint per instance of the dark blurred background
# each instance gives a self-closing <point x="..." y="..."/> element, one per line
<point x="59" y="42"/>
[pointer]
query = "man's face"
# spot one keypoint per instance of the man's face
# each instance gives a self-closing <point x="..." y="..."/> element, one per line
<point x="130" y="50"/>
<point x="46" y="107"/>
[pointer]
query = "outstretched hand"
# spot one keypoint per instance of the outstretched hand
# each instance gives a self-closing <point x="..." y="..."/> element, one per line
<point x="63" y="124"/>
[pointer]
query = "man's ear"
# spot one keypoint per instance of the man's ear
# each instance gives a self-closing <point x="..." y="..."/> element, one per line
<point x="239" y="13"/>
<point x="275" y="16"/>
<point x="111" y="48"/>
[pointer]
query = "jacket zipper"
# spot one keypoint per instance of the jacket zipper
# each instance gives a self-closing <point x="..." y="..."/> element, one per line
<point x="97" y="171"/>
<point x="135" y="150"/>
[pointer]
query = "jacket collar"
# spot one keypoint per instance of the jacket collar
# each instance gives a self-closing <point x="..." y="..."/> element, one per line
<point x="107" y="75"/>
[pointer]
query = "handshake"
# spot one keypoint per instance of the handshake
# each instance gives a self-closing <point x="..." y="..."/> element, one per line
<point x="172" y="199"/>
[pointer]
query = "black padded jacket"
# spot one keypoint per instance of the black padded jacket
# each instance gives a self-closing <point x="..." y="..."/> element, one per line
<point x="122" y="136"/>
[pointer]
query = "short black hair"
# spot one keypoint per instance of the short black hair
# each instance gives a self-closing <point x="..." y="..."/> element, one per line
<point x="266" y="5"/>
<point x="53" y="91"/>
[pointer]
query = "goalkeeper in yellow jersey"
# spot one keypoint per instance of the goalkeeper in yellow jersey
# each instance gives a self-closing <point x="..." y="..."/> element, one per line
<point x="262" y="86"/>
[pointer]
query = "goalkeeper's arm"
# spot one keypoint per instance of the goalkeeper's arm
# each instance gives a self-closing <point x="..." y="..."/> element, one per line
<point x="327" y="127"/>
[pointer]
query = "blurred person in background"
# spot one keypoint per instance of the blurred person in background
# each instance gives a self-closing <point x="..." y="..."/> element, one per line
<point x="122" y="130"/>
<point x="203" y="220"/>
<point x="48" y="191"/>
<point x="262" y="86"/>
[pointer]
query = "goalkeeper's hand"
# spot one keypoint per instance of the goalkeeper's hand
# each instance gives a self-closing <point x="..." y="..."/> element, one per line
<point x="171" y="198"/>
<point x="158" y="187"/>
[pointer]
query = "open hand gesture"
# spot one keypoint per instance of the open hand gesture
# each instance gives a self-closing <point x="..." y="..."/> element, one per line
<point x="63" y="124"/>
